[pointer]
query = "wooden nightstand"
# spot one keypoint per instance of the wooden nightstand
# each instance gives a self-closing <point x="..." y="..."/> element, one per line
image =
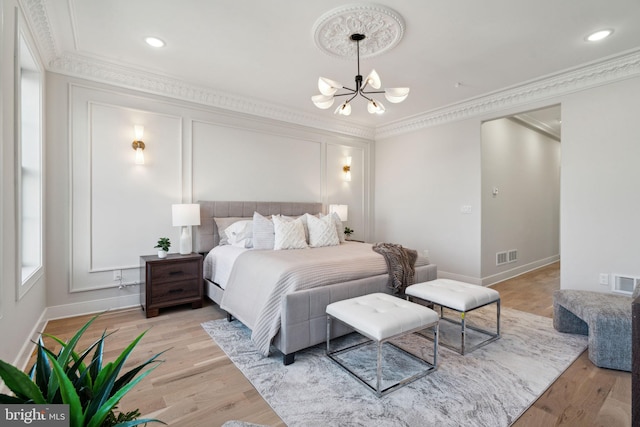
<point x="174" y="280"/>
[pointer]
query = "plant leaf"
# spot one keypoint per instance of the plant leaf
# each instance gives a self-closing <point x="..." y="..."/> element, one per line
<point x="104" y="409"/>
<point x="20" y="383"/>
<point x="139" y="421"/>
<point x="5" y="399"/>
<point x="69" y="395"/>
<point x="107" y="377"/>
<point x="125" y="378"/>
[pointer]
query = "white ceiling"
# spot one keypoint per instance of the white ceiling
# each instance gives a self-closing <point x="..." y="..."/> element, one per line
<point x="451" y="51"/>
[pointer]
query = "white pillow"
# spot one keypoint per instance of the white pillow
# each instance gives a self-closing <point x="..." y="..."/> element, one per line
<point x="288" y="234"/>
<point x="304" y="223"/>
<point x="263" y="233"/>
<point x="222" y="224"/>
<point x="240" y="233"/>
<point x="339" y="227"/>
<point x="322" y="231"/>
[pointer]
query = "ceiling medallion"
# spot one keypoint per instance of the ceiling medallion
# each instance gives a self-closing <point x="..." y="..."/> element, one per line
<point x="382" y="26"/>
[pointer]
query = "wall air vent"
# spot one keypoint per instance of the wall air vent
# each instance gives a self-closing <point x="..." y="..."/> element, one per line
<point x="501" y="258"/>
<point x="624" y="284"/>
<point x="512" y="255"/>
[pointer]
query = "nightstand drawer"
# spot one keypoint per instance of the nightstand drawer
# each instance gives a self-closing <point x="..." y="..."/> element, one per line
<point x="172" y="291"/>
<point x="173" y="272"/>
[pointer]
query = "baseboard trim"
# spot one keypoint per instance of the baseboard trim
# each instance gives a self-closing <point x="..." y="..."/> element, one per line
<point x="22" y="359"/>
<point x="518" y="271"/>
<point x="91" y="307"/>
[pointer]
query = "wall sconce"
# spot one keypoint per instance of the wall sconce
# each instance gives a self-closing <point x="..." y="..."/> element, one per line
<point x="341" y="210"/>
<point x="185" y="215"/>
<point x="138" y="145"/>
<point x="347" y="169"/>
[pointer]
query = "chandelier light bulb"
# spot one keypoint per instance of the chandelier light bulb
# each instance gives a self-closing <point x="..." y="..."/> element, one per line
<point x="396" y="94"/>
<point x="323" y="101"/>
<point x="373" y="80"/>
<point x="375" y="107"/>
<point x="343" y="109"/>
<point x="328" y="87"/>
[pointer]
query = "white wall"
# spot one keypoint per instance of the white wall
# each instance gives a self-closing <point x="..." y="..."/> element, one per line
<point x="105" y="211"/>
<point x="422" y="180"/>
<point x="423" y="177"/>
<point x="524" y="165"/>
<point x="600" y="179"/>
<point x="20" y="317"/>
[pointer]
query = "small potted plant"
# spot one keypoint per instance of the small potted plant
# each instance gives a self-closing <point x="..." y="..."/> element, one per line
<point x="163" y="247"/>
<point x="347" y="232"/>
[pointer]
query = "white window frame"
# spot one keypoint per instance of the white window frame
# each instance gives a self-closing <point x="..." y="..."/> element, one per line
<point x="27" y="65"/>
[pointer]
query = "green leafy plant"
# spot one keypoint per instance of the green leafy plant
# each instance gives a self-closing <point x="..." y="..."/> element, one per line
<point x="348" y="231"/>
<point x="92" y="390"/>
<point x="163" y="243"/>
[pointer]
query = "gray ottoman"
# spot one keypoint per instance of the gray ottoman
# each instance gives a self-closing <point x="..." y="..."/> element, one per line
<point x="605" y="318"/>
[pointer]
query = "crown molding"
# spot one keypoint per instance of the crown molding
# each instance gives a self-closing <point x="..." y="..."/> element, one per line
<point x="99" y="70"/>
<point x="36" y="14"/>
<point x="604" y="71"/>
<point x="595" y="74"/>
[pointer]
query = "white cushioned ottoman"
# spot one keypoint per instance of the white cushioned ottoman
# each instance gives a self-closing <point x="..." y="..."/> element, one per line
<point x="381" y="318"/>
<point x="463" y="298"/>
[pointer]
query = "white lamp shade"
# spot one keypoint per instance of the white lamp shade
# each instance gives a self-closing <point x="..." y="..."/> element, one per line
<point x="343" y="109"/>
<point x="185" y="214"/>
<point x="138" y="132"/>
<point x="375" y="106"/>
<point x="396" y="94"/>
<point x="341" y="210"/>
<point x="139" y="156"/>
<point x="373" y="80"/>
<point x="323" y="101"/>
<point x="328" y="87"/>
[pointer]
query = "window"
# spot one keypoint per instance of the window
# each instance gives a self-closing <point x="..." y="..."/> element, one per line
<point x="29" y="162"/>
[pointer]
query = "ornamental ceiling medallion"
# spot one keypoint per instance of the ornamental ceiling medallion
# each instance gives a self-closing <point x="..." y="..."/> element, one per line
<point x="382" y="26"/>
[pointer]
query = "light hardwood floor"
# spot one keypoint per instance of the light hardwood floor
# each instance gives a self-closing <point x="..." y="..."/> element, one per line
<point x="197" y="385"/>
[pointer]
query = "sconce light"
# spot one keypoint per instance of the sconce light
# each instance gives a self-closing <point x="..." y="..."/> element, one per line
<point x="347" y="169"/>
<point x="185" y="215"/>
<point x="138" y="145"/>
<point x="341" y="210"/>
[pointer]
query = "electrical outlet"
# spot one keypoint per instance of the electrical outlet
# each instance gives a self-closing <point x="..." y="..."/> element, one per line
<point x="117" y="275"/>
<point x="604" y="279"/>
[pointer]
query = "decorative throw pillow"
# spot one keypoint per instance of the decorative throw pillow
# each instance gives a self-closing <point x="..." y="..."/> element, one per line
<point x="222" y="224"/>
<point x="322" y="231"/>
<point x="304" y="222"/>
<point x="288" y="234"/>
<point x="263" y="233"/>
<point x="240" y="233"/>
<point x="339" y="227"/>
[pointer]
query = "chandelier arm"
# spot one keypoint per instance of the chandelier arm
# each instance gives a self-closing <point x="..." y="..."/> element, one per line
<point x="374" y="91"/>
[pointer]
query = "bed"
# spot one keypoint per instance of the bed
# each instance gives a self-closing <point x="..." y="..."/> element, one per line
<point x="286" y="311"/>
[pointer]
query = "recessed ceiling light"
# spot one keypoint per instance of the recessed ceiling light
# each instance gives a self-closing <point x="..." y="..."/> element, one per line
<point x="599" y="35"/>
<point x="154" y="41"/>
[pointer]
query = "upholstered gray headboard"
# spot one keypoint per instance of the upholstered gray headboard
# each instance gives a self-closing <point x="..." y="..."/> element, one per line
<point x="206" y="235"/>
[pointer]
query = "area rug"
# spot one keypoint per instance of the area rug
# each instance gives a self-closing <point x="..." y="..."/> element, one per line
<point x="491" y="386"/>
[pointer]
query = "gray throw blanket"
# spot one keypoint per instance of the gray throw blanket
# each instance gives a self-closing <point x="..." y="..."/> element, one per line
<point x="401" y="263"/>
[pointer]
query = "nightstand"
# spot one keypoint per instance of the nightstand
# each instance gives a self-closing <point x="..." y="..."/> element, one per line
<point x="174" y="280"/>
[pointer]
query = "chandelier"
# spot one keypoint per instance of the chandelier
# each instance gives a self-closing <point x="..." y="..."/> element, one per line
<point x="329" y="88"/>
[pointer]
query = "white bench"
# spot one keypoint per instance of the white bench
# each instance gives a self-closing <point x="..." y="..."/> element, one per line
<point x="382" y="317"/>
<point x="463" y="298"/>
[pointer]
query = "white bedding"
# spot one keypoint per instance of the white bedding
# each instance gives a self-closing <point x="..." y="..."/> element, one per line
<point x="219" y="262"/>
<point x="260" y="279"/>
